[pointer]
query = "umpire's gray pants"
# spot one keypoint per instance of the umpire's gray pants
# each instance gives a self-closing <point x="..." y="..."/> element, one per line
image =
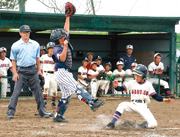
<point x="27" y="75"/>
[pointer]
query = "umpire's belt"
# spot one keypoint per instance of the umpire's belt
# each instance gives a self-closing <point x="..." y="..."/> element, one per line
<point x="51" y="72"/>
<point x="139" y="101"/>
<point x="27" y="67"/>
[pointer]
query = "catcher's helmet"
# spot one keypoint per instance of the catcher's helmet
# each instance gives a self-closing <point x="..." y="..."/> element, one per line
<point x="58" y="34"/>
<point x="140" y="70"/>
<point x="98" y="58"/>
<point x="50" y="44"/>
<point x="108" y="63"/>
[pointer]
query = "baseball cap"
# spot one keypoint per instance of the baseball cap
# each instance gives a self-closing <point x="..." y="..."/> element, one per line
<point x="85" y="59"/>
<point x="108" y="63"/>
<point x="93" y="62"/>
<point x="42" y="47"/>
<point x="24" y="28"/>
<point x="157" y="54"/>
<point x="3" y="49"/>
<point x="119" y="63"/>
<point x="90" y="53"/>
<point x="129" y="46"/>
<point x="98" y="58"/>
<point x="133" y="64"/>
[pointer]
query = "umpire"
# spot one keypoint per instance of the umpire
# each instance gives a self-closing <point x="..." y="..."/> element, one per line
<point x="25" y="57"/>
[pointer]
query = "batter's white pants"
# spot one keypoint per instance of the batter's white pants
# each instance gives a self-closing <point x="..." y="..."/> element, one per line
<point x="66" y="82"/>
<point x="156" y="81"/>
<point x="140" y="108"/>
<point x="119" y="92"/>
<point x="50" y="86"/>
<point x="3" y="87"/>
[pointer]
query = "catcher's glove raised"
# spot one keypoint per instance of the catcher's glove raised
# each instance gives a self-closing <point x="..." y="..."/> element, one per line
<point x="70" y="9"/>
<point x="100" y="75"/>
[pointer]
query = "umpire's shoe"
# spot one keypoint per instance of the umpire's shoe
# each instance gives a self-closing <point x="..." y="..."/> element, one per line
<point x="60" y="119"/>
<point x="10" y="116"/>
<point x="44" y="116"/>
<point x="96" y="105"/>
<point x="111" y="125"/>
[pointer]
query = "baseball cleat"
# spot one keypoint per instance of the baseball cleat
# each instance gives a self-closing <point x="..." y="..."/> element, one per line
<point x="60" y="119"/>
<point x="45" y="104"/>
<point x="170" y="96"/>
<point x="143" y="125"/>
<point x="96" y="105"/>
<point x="53" y="104"/>
<point x="10" y="116"/>
<point x="111" y="125"/>
<point x="44" y="116"/>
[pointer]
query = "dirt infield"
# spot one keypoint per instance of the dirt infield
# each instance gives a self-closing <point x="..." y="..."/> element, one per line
<point x="85" y="123"/>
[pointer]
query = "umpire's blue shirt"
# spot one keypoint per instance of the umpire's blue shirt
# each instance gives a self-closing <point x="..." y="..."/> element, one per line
<point x="25" y="54"/>
<point x="128" y="61"/>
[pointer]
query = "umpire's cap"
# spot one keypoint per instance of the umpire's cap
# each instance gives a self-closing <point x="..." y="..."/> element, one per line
<point x="24" y="28"/>
<point x="98" y="58"/>
<point x="50" y="45"/>
<point x="140" y="70"/>
<point x="58" y="34"/>
<point x="3" y="49"/>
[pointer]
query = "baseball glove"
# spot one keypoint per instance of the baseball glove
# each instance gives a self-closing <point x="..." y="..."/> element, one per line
<point x="100" y="75"/>
<point x="70" y="9"/>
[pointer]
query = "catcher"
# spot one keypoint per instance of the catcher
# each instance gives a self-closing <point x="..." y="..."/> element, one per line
<point x="140" y="90"/>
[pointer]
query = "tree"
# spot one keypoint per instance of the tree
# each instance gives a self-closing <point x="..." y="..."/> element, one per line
<point x="11" y="4"/>
<point x="82" y="6"/>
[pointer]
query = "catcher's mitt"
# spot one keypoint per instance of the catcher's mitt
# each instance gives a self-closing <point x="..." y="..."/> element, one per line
<point x="100" y="75"/>
<point x="70" y="9"/>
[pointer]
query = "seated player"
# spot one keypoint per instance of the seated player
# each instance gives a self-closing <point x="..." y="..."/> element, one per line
<point x="156" y="68"/>
<point x="119" y="71"/>
<point x="83" y="81"/>
<point x="129" y="73"/>
<point x="92" y="74"/>
<point x="50" y="85"/>
<point x="103" y="84"/>
<point x="140" y="91"/>
<point x="109" y="73"/>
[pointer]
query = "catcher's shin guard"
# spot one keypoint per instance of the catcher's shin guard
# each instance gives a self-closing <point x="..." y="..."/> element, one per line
<point x="63" y="105"/>
<point x="84" y="96"/>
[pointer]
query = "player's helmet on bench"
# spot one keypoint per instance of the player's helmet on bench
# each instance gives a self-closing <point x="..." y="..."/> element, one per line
<point x="140" y="70"/>
<point x="58" y="34"/>
<point x="50" y="44"/>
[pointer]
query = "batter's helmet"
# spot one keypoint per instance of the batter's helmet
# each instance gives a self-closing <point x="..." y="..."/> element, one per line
<point x="50" y="44"/>
<point x="58" y="34"/>
<point x="140" y="70"/>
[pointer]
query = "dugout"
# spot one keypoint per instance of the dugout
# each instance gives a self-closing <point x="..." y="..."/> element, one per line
<point x="162" y="36"/>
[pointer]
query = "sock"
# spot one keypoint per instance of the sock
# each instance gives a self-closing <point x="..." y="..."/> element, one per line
<point x="167" y="90"/>
<point x="45" y="97"/>
<point x="116" y="116"/>
<point x="53" y="99"/>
